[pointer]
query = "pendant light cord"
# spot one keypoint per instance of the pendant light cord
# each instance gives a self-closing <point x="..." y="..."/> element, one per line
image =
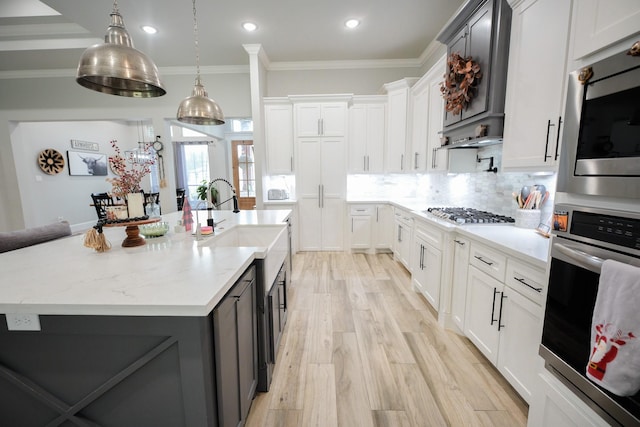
<point x="195" y="34"/>
<point x="115" y="6"/>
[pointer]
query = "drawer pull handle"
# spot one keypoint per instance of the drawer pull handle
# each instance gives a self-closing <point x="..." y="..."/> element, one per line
<point x="502" y="297"/>
<point x="493" y="306"/>
<point x="461" y="243"/>
<point x="525" y="283"/>
<point x="479" y="258"/>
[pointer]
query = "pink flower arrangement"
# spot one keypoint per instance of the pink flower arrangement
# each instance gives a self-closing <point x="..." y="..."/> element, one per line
<point x="128" y="180"/>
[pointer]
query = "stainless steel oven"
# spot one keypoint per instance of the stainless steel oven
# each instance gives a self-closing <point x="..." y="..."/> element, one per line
<point x="601" y="139"/>
<point x="583" y="238"/>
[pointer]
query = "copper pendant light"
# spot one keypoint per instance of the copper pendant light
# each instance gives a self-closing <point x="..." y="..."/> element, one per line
<point x="115" y="67"/>
<point x="199" y="109"/>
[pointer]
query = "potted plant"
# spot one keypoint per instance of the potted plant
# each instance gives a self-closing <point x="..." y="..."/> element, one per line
<point x="202" y="193"/>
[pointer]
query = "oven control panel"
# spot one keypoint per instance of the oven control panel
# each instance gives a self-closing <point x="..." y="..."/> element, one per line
<point x="621" y="229"/>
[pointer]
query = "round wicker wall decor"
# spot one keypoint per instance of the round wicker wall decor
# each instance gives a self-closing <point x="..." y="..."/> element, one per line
<point x="50" y="161"/>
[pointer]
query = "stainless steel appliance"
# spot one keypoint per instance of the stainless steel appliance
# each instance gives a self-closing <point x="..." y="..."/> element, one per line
<point x="469" y="216"/>
<point x="584" y="238"/>
<point x="601" y="140"/>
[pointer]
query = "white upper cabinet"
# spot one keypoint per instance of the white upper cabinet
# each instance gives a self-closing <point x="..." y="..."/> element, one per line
<point x="278" y="127"/>
<point x="397" y="124"/>
<point x="419" y="126"/>
<point x="321" y="119"/>
<point x="367" y="133"/>
<point x="536" y="84"/>
<point x="601" y="23"/>
<point x="437" y="159"/>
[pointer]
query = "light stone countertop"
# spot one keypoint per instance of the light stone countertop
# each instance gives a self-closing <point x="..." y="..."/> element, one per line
<point x="522" y="243"/>
<point x="172" y="275"/>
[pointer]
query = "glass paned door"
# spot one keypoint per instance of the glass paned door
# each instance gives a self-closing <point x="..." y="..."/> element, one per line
<point x="244" y="173"/>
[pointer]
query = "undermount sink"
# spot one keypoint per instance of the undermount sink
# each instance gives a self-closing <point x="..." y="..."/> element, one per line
<point x="271" y="243"/>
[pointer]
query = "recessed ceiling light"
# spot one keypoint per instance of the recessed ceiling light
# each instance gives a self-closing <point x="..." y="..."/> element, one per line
<point x="352" y="23"/>
<point x="249" y="26"/>
<point x="149" y="29"/>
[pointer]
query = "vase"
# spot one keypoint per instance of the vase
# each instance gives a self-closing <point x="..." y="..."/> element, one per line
<point x="135" y="205"/>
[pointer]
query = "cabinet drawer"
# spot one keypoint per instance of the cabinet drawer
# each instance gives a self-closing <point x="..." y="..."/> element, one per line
<point x="361" y="210"/>
<point x="528" y="281"/>
<point x="491" y="262"/>
<point x="429" y="235"/>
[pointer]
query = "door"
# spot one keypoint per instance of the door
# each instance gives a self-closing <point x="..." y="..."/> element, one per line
<point x="519" y="342"/>
<point x="225" y="332"/>
<point x="458" y="45"/>
<point x="479" y="48"/>
<point x="247" y="345"/>
<point x="244" y="174"/>
<point x="459" y="280"/>
<point x="278" y="127"/>
<point x="360" y="231"/>
<point x="482" y="313"/>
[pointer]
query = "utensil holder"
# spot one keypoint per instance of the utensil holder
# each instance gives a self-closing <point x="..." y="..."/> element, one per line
<point x="527" y="218"/>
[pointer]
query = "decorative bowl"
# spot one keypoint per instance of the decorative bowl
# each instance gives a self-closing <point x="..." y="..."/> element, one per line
<point x="156" y="229"/>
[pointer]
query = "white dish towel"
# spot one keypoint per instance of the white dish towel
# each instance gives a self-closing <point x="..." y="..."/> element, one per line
<point x="614" y="361"/>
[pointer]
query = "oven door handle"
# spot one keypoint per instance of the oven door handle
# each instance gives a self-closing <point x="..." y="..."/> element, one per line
<point x="581" y="258"/>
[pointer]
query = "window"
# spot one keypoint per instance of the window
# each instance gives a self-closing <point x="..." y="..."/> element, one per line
<point x="192" y="167"/>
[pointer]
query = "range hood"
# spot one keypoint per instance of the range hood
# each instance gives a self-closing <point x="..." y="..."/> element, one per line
<point x="479" y="31"/>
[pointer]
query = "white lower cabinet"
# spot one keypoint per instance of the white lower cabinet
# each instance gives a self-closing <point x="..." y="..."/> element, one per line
<point x="383" y="227"/>
<point x="426" y="262"/>
<point x="555" y="405"/>
<point x="459" y="280"/>
<point x="504" y="321"/>
<point x="403" y="236"/>
<point x="360" y="226"/>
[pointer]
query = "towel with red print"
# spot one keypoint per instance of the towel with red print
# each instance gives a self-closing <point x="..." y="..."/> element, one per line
<point x="614" y="361"/>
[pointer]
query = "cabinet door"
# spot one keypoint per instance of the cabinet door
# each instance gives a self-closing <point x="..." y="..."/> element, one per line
<point x="376" y="135"/>
<point x="482" y="312"/>
<point x="426" y="269"/>
<point x="278" y="123"/>
<point x="332" y="224"/>
<point x="308" y="119"/>
<point x="601" y="23"/>
<point x="537" y="54"/>
<point x="459" y="280"/>
<point x="360" y="231"/>
<point x="458" y="45"/>
<point x="310" y="219"/>
<point x="396" y="131"/>
<point x="247" y="345"/>
<point x="225" y="332"/>
<point x="479" y="48"/>
<point x="358" y="135"/>
<point x="383" y="227"/>
<point x="519" y="341"/>
<point x="333" y="119"/>
<point x="419" y="127"/>
<point x="437" y="158"/>
<point x="333" y="167"/>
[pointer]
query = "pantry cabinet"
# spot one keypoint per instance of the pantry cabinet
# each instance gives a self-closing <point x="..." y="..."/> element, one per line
<point x="601" y="23"/>
<point x="367" y="133"/>
<point x="397" y="124"/>
<point x="278" y="126"/>
<point x="321" y="183"/>
<point x="536" y="84"/>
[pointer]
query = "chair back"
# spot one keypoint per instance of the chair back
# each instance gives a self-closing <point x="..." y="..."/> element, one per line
<point x="100" y="202"/>
<point x="180" y="195"/>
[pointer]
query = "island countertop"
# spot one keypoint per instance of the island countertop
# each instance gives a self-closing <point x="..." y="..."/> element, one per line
<point x="172" y="275"/>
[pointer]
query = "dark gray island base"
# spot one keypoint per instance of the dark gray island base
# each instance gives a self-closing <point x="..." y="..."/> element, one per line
<point x="126" y="371"/>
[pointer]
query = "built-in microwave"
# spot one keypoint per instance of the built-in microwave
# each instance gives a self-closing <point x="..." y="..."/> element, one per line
<point x="601" y="139"/>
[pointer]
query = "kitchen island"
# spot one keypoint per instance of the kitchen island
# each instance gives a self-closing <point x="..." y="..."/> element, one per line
<point x="125" y="337"/>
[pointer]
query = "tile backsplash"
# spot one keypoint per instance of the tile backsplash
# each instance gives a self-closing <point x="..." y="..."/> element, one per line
<point x="479" y="190"/>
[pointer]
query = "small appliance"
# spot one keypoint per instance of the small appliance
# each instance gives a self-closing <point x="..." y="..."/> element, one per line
<point x="277" y="194"/>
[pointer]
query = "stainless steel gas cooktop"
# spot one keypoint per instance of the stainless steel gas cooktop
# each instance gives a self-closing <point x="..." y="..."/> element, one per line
<point x="469" y="216"/>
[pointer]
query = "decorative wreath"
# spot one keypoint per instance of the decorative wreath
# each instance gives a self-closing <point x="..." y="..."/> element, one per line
<point x="50" y="161"/>
<point x="460" y="82"/>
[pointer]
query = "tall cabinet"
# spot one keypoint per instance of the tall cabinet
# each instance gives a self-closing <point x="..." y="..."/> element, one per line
<point x="320" y="128"/>
<point x="398" y="94"/>
<point x="367" y="133"/>
<point x="536" y="84"/>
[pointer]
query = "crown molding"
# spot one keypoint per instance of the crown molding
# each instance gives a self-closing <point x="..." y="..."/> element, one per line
<point x="344" y="65"/>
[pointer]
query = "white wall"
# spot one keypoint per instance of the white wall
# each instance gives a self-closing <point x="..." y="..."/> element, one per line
<point x="48" y="198"/>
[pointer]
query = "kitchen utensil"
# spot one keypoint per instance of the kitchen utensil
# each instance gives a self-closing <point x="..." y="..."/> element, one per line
<point x="524" y="192"/>
<point x="541" y="188"/>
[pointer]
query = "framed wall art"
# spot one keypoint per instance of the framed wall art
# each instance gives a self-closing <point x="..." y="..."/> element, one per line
<point x="87" y="164"/>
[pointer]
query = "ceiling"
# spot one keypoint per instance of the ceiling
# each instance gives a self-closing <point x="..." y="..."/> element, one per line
<point x="52" y="34"/>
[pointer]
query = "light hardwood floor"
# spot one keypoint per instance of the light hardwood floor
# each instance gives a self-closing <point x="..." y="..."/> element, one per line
<point x="361" y="348"/>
